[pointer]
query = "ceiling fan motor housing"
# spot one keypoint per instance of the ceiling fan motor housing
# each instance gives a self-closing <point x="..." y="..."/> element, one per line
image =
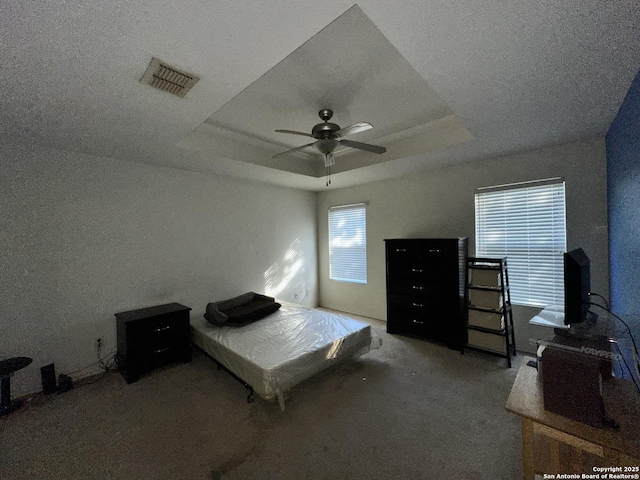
<point x="324" y="130"/>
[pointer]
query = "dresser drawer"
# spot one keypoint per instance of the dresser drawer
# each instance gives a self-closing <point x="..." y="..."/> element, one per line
<point x="413" y="325"/>
<point x="427" y="323"/>
<point x="410" y="305"/>
<point x="425" y="270"/>
<point x="399" y="250"/>
<point x="404" y="268"/>
<point x="438" y="249"/>
<point x="435" y="292"/>
<point x="414" y="312"/>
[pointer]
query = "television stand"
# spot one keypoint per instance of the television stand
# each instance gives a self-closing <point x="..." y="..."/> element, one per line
<point x="594" y="328"/>
<point x="590" y="329"/>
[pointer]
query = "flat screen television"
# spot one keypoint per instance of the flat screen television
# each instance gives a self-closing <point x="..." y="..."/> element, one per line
<point x="577" y="285"/>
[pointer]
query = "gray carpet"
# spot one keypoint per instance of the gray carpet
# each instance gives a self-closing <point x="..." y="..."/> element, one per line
<point x="411" y="410"/>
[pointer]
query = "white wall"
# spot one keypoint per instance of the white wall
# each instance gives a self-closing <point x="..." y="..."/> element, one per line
<point x="84" y="237"/>
<point x="440" y="203"/>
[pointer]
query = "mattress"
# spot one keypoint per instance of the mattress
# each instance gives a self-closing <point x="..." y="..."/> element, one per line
<point x="276" y="353"/>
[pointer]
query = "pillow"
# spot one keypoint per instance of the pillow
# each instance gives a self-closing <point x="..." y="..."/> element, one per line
<point x="240" y="310"/>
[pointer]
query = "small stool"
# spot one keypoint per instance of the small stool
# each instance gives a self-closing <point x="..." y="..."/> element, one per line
<point x="7" y="368"/>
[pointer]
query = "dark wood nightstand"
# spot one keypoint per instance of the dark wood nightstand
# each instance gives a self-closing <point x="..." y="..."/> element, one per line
<point x="152" y="337"/>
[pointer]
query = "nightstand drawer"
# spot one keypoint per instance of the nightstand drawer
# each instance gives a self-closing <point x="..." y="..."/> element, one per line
<point x="160" y="332"/>
<point x="166" y="355"/>
<point x="161" y="327"/>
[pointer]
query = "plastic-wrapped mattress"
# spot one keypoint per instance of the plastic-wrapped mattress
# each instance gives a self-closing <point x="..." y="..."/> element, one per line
<point x="274" y="354"/>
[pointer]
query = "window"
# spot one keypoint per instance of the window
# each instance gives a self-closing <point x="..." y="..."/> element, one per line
<point x="348" y="243"/>
<point x="526" y="223"/>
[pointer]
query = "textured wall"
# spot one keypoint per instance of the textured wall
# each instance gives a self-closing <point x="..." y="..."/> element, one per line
<point x="623" y="177"/>
<point x="85" y="237"/>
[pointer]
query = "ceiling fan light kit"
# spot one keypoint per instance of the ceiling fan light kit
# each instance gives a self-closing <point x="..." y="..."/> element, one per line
<point x="329" y="137"/>
<point x="326" y="145"/>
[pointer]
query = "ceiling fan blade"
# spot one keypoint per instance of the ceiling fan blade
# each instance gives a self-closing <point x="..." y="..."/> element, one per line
<point x="355" y="128"/>
<point x="363" y="146"/>
<point x="293" y="150"/>
<point x="293" y="132"/>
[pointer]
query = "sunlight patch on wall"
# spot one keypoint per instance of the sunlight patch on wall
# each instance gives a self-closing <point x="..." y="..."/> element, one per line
<point x="284" y="279"/>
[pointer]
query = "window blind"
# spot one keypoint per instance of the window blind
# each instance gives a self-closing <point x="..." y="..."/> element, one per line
<point x="348" y="243"/>
<point x="527" y="224"/>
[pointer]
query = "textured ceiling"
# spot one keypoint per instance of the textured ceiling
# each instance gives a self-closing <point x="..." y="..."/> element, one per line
<point x="472" y="79"/>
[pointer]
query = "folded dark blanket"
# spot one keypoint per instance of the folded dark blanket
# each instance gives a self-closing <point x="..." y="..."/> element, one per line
<point x="241" y="310"/>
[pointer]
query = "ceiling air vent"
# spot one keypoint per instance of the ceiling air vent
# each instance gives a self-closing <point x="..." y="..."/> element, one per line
<point x="168" y="79"/>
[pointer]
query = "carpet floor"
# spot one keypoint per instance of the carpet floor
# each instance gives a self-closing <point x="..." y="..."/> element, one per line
<point x="411" y="410"/>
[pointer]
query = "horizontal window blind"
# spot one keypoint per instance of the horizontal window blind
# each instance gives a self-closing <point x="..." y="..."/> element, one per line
<point x="348" y="243"/>
<point x="527" y="224"/>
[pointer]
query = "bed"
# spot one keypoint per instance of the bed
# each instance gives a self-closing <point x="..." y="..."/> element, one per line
<point x="276" y="353"/>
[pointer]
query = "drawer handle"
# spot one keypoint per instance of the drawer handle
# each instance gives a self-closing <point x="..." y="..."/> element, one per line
<point x="417" y="270"/>
<point x="161" y="350"/>
<point x="418" y="305"/>
<point x="437" y="250"/>
<point x="417" y="287"/>
<point x="162" y="329"/>
<point x="418" y="322"/>
<point x="401" y="249"/>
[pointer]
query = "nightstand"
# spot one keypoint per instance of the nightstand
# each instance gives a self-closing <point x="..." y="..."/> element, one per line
<point x="152" y="337"/>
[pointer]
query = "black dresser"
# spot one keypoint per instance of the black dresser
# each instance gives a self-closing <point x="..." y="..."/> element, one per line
<point x="425" y="288"/>
<point x="152" y="337"/>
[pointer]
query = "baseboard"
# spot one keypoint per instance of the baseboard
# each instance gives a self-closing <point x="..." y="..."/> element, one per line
<point x="77" y="382"/>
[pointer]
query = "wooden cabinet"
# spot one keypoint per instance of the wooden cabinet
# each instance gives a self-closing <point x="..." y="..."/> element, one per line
<point x="152" y="337"/>
<point x="425" y="288"/>
<point x="553" y="444"/>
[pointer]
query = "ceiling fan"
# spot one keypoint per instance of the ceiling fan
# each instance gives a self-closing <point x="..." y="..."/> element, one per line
<point x="329" y="137"/>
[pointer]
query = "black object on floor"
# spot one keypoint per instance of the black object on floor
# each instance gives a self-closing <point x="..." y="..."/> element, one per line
<point x="532" y="363"/>
<point x="7" y="368"/>
<point x="48" y="374"/>
<point x="64" y="383"/>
